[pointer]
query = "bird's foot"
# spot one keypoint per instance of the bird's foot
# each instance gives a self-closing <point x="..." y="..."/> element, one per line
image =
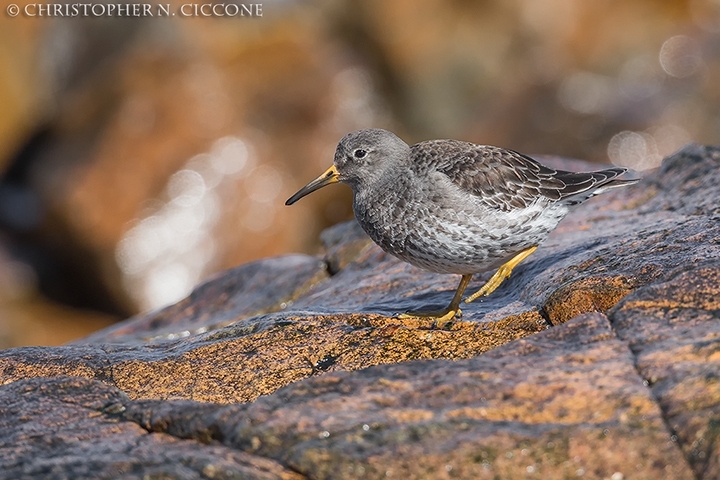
<point x="442" y="319"/>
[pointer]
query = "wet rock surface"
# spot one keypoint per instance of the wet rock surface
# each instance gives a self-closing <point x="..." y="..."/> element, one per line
<point x="597" y="358"/>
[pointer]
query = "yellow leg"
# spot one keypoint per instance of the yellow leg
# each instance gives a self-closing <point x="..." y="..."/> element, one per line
<point x="502" y="273"/>
<point x="442" y="317"/>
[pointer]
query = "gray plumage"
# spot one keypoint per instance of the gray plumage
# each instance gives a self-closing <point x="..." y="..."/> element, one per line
<point x="456" y="207"/>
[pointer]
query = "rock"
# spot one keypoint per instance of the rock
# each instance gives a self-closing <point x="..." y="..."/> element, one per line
<point x="564" y="401"/>
<point x="673" y="330"/>
<point x="597" y="358"/>
<point x="95" y="442"/>
<point x="250" y="290"/>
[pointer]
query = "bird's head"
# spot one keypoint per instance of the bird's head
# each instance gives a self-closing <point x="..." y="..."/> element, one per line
<point x="360" y="158"/>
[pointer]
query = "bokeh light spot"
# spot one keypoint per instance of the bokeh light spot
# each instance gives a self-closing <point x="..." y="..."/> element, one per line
<point x="636" y="150"/>
<point x="230" y="156"/>
<point x="186" y="187"/>
<point x="680" y="56"/>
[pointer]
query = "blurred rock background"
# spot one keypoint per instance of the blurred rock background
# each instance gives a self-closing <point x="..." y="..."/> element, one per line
<point x="140" y="155"/>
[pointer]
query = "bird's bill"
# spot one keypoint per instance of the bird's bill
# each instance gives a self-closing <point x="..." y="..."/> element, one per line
<point x="331" y="175"/>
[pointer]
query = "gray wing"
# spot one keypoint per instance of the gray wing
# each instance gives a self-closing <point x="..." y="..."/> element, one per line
<point x="506" y="180"/>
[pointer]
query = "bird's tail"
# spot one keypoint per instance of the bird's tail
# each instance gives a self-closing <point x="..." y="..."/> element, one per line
<point x="582" y="186"/>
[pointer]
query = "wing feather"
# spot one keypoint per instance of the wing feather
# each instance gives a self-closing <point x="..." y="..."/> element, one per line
<point x="506" y="180"/>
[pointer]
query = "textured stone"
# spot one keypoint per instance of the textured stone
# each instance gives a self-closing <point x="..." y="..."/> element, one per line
<point x="562" y="403"/>
<point x="244" y="361"/>
<point x="673" y="329"/>
<point x="72" y="428"/>
<point x="246" y="291"/>
<point x="623" y="391"/>
<point x="585" y="295"/>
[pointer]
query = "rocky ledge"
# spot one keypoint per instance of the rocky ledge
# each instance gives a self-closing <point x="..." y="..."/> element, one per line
<point x="599" y="358"/>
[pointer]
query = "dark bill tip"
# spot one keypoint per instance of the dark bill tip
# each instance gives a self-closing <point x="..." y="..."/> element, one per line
<point x="329" y="176"/>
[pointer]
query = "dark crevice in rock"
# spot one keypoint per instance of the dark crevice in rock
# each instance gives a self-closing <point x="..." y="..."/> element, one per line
<point x="293" y="469"/>
<point x="106" y="373"/>
<point x="331" y="267"/>
<point x="545" y="316"/>
<point x="150" y="416"/>
<point x="343" y="244"/>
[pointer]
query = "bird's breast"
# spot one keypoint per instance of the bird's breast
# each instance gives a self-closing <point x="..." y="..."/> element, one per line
<point x="385" y="219"/>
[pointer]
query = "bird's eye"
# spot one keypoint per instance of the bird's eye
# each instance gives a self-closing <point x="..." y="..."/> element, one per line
<point x="359" y="153"/>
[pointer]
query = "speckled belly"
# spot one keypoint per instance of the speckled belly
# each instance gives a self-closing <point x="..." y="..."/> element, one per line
<point x="457" y="242"/>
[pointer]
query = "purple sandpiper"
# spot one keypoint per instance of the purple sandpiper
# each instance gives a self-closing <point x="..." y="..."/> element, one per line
<point x="455" y="207"/>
